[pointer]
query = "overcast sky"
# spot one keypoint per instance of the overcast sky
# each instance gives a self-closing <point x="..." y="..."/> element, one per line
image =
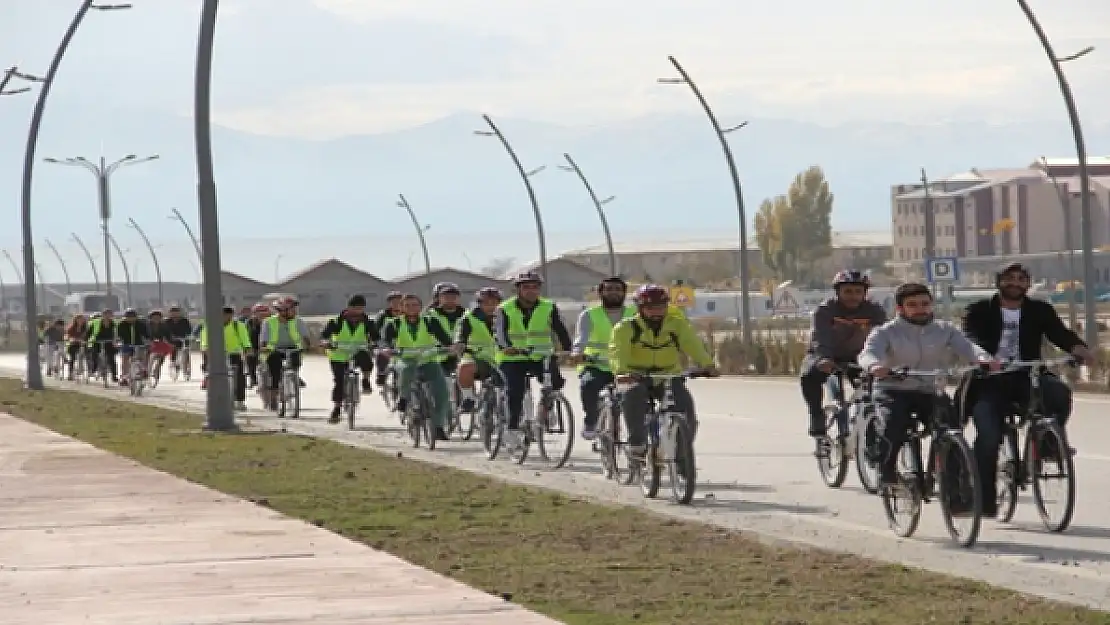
<point x="332" y="67"/>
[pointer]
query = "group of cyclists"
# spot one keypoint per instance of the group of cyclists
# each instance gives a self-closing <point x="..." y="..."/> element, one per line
<point x="849" y="331"/>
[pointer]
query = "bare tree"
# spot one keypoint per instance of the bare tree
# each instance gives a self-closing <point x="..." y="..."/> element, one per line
<point x="498" y="267"/>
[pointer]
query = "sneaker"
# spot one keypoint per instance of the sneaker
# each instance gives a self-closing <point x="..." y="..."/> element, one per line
<point x="367" y="387"/>
<point x="467" y="404"/>
<point x="301" y="382"/>
<point x="441" y="435"/>
<point x="823" y="447"/>
<point x="589" y="433"/>
<point x="334" y="417"/>
<point x="401" y="405"/>
<point x="379" y="380"/>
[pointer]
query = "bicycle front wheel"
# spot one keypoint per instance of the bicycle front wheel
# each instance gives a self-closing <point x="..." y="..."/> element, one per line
<point x="555" y="432"/>
<point x="961" y="496"/>
<point x="834" y="464"/>
<point x="868" y="451"/>
<point x="1008" y="478"/>
<point x="683" y="467"/>
<point x="1049" y="460"/>
<point x="490" y="425"/>
<point x="352" y="396"/>
<point x="902" y="501"/>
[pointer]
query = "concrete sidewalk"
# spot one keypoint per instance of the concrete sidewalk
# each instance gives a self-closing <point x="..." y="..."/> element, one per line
<point x="88" y="537"/>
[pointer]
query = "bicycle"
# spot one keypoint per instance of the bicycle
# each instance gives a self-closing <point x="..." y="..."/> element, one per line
<point x="389" y="390"/>
<point x="670" y="439"/>
<point x="268" y="396"/>
<point x="947" y="442"/>
<point x="610" y="444"/>
<point x="158" y="351"/>
<point x="472" y="420"/>
<point x="1043" y="433"/>
<point x="850" y="430"/>
<point x="352" y="381"/>
<point x="57" y="361"/>
<point x="289" y="388"/>
<point x="136" y="374"/>
<point x="182" y="364"/>
<point x="78" y="369"/>
<point x="420" y="404"/>
<point x="553" y="417"/>
<point x="102" y="361"/>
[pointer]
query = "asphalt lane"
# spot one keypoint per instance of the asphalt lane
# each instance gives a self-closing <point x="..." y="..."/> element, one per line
<point x="756" y="471"/>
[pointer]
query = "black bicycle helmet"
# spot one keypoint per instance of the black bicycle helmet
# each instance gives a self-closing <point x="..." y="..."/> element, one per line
<point x="851" y="276"/>
<point x="527" y="277"/>
<point x="612" y="280"/>
<point x="488" y="292"/>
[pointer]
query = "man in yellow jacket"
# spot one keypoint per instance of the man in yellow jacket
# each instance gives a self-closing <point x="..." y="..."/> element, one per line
<point x="652" y="343"/>
<point x="237" y="341"/>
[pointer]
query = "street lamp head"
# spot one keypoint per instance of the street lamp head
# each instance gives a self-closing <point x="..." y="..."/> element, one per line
<point x="485" y="133"/>
<point x="110" y="7"/>
<point x="735" y="128"/>
<point x="1078" y="55"/>
<point x="26" y="76"/>
<point x="670" y="81"/>
<point x="427" y="227"/>
<point x="536" y="170"/>
<point x="566" y="168"/>
<point x="51" y="159"/>
<point x="15" y="91"/>
<point x="78" y="159"/>
<point x="608" y="199"/>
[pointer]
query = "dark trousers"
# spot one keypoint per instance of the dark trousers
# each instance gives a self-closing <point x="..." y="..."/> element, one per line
<point x="515" y="372"/>
<point x="110" y="355"/>
<point x="634" y="403"/>
<point x="813" y="383"/>
<point x="381" y="361"/>
<point x="339" y="374"/>
<point x="238" y="376"/>
<point x="590" y="384"/>
<point x="994" y="399"/>
<point x="276" y="362"/>
<point x="897" y="409"/>
<point x="72" y="350"/>
<point x="252" y="367"/>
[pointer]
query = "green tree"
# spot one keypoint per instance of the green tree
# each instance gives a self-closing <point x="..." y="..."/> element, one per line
<point x="794" y="231"/>
<point x="777" y="234"/>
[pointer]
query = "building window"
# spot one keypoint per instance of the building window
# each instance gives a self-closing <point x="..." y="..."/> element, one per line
<point x="710" y="306"/>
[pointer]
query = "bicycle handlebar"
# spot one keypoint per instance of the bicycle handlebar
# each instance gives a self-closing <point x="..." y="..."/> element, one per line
<point x="905" y="372"/>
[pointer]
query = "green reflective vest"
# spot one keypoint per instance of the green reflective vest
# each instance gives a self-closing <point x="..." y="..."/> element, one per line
<point x="345" y="339"/>
<point x="536" y="333"/>
<point x="274" y="322"/>
<point x="601" y="330"/>
<point x="481" y="339"/>
<point x="447" y="326"/>
<point x="407" y="338"/>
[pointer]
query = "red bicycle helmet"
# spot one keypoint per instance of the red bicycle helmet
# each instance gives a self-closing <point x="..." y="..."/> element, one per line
<point x="652" y="295"/>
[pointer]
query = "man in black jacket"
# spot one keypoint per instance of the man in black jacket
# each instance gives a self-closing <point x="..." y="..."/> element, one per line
<point x="1011" y="326"/>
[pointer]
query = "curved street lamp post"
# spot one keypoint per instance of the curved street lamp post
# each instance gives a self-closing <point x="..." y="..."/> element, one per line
<point x="745" y="277"/>
<point x="88" y="255"/>
<point x="1090" y="323"/>
<point x="420" y="230"/>
<point x="153" y="257"/>
<point x="177" y="216"/>
<point x="218" y="409"/>
<point x="62" y="262"/>
<point x="525" y="176"/>
<point x="34" y="371"/>
<point x="598" y="204"/>
<point x="126" y="269"/>
<point x="1063" y="195"/>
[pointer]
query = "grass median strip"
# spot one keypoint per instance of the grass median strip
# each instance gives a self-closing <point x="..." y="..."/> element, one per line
<point x="579" y="562"/>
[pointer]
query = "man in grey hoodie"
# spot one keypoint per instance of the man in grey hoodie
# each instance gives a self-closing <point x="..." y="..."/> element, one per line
<point x="915" y="340"/>
<point x="840" y="326"/>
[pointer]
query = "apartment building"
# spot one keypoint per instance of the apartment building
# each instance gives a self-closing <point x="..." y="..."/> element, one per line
<point x="986" y="213"/>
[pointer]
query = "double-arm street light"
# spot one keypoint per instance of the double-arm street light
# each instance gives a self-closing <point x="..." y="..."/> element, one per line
<point x="62" y="262"/>
<point x="745" y="277"/>
<point x="103" y="171"/>
<point x="420" y="230"/>
<point x="89" y="256"/>
<point x="34" y="371"/>
<point x="525" y="176"/>
<point x="598" y="204"/>
<point x="1090" y="324"/>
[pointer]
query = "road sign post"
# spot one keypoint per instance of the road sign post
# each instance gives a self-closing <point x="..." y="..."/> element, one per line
<point x="941" y="270"/>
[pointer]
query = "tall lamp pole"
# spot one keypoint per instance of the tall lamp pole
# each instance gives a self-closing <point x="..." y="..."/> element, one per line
<point x="219" y="409"/>
<point x="1090" y="324"/>
<point x="420" y="230"/>
<point x="126" y="269"/>
<point x="62" y="262"/>
<point x="1064" y="196"/>
<point x="34" y="371"/>
<point x="179" y="218"/>
<point x="154" y="257"/>
<point x="88" y="255"/>
<point x="525" y="176"/>
<point x="745" y="276"/>
<point x="277" y="267"/>
<point x="103" y="171"/>
<point x="598" y="204"/>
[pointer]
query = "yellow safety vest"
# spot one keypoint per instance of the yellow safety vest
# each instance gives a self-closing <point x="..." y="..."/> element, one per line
<point x="601" y="330"/>
<point x="447" y="326"/>
<point x="407" y="339"/>
<point x="536" y="333"/>
<point x="346" y="337"/>
<point x="237" y="338"/>
<point x="481" y="339"/>
<point x="274" y="323"/>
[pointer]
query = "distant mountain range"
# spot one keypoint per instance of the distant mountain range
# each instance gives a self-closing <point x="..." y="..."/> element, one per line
<point x="666" y="171"/>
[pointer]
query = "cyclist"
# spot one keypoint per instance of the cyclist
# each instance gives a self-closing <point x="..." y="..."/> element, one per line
<point x="161" y="341"/>
<point x="595" y="327"/>
<point x="840" y="326"/>
<point x="75" y="339"/>
<point x="295" y="304"/>
<point x="916" y="340"/>
<point x="133" y="335"/>
<point x="283" y="330"/>
<point x="259" y="313"/>
<point x="349" y="327"/>
<point x="54" y="336"/>
<point x="523" y="322"/>
<point x="237" y="341"/>
<point x="414" y="330"/>
<point x="651" y="342"/>
<point x="1012" y="326"/>
<point x="179" y="330"/>
<point x="102" y="335"/>
<point x="447" y="311"/>
<point x="475" y="332"/>
<point x="385" y="316"/>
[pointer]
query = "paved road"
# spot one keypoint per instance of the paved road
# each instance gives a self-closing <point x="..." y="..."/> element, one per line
<point x="756" y="472"/>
